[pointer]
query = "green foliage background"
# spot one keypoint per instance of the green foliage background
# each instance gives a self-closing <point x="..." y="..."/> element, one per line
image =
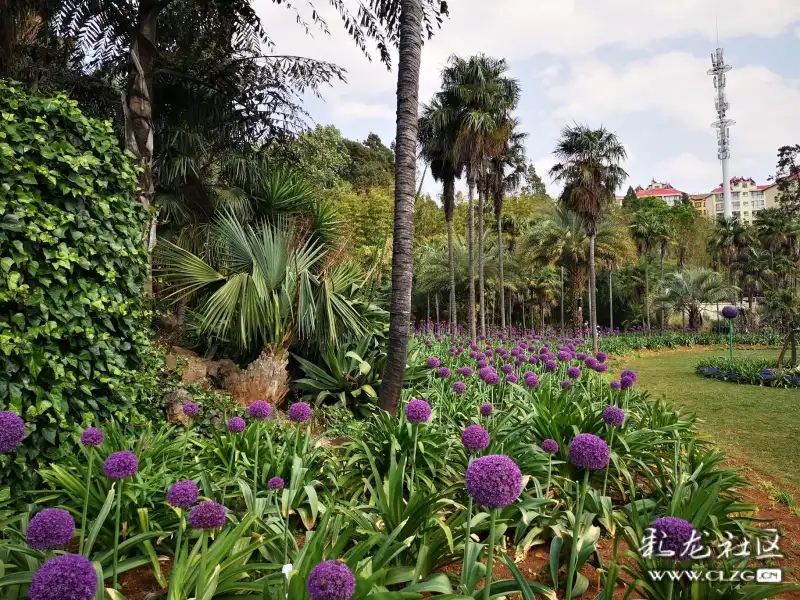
<point x="74" y="327"/>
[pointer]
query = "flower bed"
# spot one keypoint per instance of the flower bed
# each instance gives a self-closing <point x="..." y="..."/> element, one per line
<point x="749" y="371"/>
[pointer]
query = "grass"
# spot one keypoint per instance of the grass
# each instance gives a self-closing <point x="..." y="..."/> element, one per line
<point x="759" y="425"/>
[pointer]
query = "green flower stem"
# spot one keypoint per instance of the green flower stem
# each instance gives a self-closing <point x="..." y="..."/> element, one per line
<point x="116" y="532"/>
<point x="256" y="474"/>
<point x="608" y="466"/>
<point x="86" y="501"/>
<point x="286" y="534"/>
<point x="576" y="532"/>
<point x="201" y="576"/>
<point x="549" y="473"/>
<point x="296" y="440"/>
<point x="413" y="461"/>
<point x="730" y="337"/>
<point x="489" y="556"/>
<point x="185" y="445"/>
<point x="468" y="539"/>
<point x="176" y="555"/>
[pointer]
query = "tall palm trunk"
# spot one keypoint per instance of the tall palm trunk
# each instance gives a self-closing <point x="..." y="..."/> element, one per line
<point x="481" y="259"/>
<point x="646" y="291"/>
<point x="663" y="256"/>
<point x="522" y="301"/>
<point x="592" y="292"/>
<point x="410" y="52"/>
<point x="500" y="250"/>
<point x="562" y="298"/>
<point x="575" y="280"/>
<point x="610" y="298"/>
<point x="436" y="296"/>
<point x="471" y="252"/>
<point x="449" y="191"/>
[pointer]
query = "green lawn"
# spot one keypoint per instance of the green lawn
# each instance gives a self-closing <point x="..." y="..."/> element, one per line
<point x="759" y="425"/>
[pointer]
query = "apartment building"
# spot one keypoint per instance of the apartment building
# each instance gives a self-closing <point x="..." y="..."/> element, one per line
<point x="662" y="190"/>
<point x="747" y="199"/>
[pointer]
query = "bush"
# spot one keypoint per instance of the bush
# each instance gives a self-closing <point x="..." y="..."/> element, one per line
<point x="74" y="330"/>
<point x="750" y="371"/>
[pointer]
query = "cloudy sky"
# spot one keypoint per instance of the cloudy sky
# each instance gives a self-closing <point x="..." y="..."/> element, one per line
<point x="638" y="67"/>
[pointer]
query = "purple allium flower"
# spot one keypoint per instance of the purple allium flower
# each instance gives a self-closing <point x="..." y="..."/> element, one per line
<point x="299" y="412"/>
<point x="590" y="362"/>
<point x="92" y="437"/>
<point x="494" y="481"/>
<point x="581" y="356"/>
<point x="443" y="373"/>
<point x="486" y="409"/>
<point x="550" y="446"/>
<point x="600" y="367"/>
<point x="532" y="381"/>
<point x="601" y="357"/>
<point x="50" y="529"/>
<point x="459" y="387"/>
<point x="12" y="431"/>
<point x="466" y="371"/>
<point x="550" y="365"/>
<point x="236" y="425"/>
<point x="183" y="494"/>
<point x="259" y="410"/>
<point x="630" y="374"/>
<point x="613" y="416"/>
<point x="331" y="580"/>
<point x="574" y="372"/>
<point x="615" y="385"/>
<point x="507" y="369"/>
<point x="276" y="483"/>
<point x="65" y="577"/>
<point x="588" y="451"/>
<point x="512" y="378"/>
<point x="418" y="411"/>
<point x="533" y="360"/>
<point x="482" y="364"/>
<point x="564" y="356"/>
<point x="475" y="438"/>
<point x="730" y="312"/>
<point x="566" y="384"/>
<point x="207" y="515"/>
<point x="434" y="363"/>
<point x="120" y="465"/>
<point x="626" y="383"/>
<point x="673" y="538"/>
<point x="190" y="409"/>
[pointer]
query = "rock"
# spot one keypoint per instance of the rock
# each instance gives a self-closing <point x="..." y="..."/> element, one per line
<point x="174" y="409"/>
<point x="194" y="370"/>
<point x="266" y="378"/>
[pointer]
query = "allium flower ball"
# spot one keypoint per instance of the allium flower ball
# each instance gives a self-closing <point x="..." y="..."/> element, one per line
<point x="434" y="363"/>
<point x="259" y="410"/>
<point x="628" y="373"/>
<point x="508" y="369"/>
<point x="566" y="384"/>
<point x="183" y="494"/>
<point x="92" y="437"/>
<point x="600" y="367"/>
<point x="730" y="312"/>
<point x="65" y="577"/>
<point x="482" y="364"/>
<point x="299" y="412"/>
<point x="475" y="438"/>
<point x="331" y="580"/>
<point x="276" y="483"/>
<point x="588" y="451"/>
<point x="550" y="365"/>
<point x="512" y="378"/>
<point x="494" y="481"/>
<point x="465" y="371"/>
<point x="601" y="357"/>
<point x="418" y="411"/>
<point x="459" y="387"/>
<point x="120" y="465"/>
<point x="613" y="416"/>
<point x="50" y="529"/>
<point x="12" y="431"/>
<point x="207" y="515"/>
<point x="550" y="446"/>
<point x="236" y="425"/>
<point x="489" y="375"/>
<point x="581" y="356"/>
<point x="564" y="356"/>
<point x="574" y="372"/>
<point x="532" y="381"/>
<point x="615" y="385"/>
<point x="672" y="537"/>
<point x="626" y="383"/>
<point x="190" y="409"/>
<point x="590" y="362"/>
<point x="486" y="409"/>
<point x="443" y="373"/>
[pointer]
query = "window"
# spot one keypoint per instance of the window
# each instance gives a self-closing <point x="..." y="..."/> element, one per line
<point x="736" y="205"/>
<point x="746" y="213"/>
<point x="744" y="193"/>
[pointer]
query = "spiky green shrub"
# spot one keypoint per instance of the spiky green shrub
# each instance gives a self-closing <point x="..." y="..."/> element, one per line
<point x="73" y="320"/>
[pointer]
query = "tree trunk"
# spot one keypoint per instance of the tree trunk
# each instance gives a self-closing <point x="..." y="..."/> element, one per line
<point x="410" y="51"/>
<point x="428" y="318"/>
<point x="663" y="255"/>
<point x="481" y="260"/>
<point x="7" y="37"/>
<point x="499" y="220"/>
<point x="471" y="251"/>
<point x="562" y="298"/>
<point x="610" y="299"/>
<point x="510" y="304"/>
<point x="592" y="293"/>
<point x="575" y="280"/>
<point x="646" y="292"/>
<point x="522" y="300"/>
<point x="436" y="296"/>
<point x="138" y="111"/>
<point x="449" y="188"/>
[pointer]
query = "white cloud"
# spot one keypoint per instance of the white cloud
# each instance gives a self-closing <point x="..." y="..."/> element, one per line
<point x="349" y="111"/>
<point x="686" y="171"/>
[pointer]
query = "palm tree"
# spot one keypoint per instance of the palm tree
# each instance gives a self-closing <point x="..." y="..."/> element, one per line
<point x="728" y="240"/>
<point x="560" y="238"/>
<point x="645" y="229"/>
<point x="689" y="290"/>
<point x="438" y="128"/>
<point x="505" y="174"/>
<point x="589" y="167"/>
<point x="543" y="284"/>
<point x="755" y="270"/>
<point x="486" y="96"/>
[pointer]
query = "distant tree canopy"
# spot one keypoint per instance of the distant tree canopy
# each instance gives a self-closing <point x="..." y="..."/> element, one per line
<point x="787" y="176"/>
<point x="371" y="164"/>
<point x="533" y="184"/>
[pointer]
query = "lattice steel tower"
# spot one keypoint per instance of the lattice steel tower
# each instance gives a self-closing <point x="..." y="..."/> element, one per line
<point x="722" y="125"/>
